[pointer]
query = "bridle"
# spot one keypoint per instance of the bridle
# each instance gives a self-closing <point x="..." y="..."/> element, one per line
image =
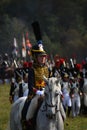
<point x="47" y="105"/>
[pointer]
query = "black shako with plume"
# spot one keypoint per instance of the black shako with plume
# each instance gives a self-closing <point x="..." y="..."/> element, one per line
<point x="38" y="48"/>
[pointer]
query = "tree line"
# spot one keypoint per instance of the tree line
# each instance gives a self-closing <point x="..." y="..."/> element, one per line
<point x="63" y="24"/>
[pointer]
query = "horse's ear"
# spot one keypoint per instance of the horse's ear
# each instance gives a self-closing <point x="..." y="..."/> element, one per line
<point x="45" y="78"/>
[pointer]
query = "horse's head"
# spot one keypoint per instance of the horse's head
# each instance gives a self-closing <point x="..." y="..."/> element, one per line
<point x="52" y="96"/>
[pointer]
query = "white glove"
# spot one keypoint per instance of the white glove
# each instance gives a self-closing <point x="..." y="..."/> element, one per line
<point x="40" y="92"/>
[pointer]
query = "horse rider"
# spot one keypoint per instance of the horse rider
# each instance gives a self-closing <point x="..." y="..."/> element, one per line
<point x="39" y="69"/>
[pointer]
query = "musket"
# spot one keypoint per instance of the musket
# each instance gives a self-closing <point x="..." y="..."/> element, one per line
<point x="15" y="63"/>
<point x="72" y="64"/>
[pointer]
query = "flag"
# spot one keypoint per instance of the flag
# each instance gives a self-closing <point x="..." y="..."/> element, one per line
<point x="15" y="43"/>
<point x="15" y="48"/>
<point x="23" y="47"/>
<point x="28" y="44"/>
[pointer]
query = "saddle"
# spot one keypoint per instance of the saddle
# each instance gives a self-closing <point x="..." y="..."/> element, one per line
<point x="30" y="125"/>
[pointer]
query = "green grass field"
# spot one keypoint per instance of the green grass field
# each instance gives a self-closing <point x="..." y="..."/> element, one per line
<point x="4" y="106"/>
<point x="78" y="123"/>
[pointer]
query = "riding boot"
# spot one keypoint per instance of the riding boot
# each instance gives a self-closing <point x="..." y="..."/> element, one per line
<point x="69" y="110"/>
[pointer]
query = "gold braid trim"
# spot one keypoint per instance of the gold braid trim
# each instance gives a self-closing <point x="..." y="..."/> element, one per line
<point x="39" y="72"/>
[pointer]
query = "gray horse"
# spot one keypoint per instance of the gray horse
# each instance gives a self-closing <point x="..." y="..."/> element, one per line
<point x="51" y="114"/>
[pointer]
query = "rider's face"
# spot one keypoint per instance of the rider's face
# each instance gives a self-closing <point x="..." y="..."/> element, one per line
<point x="41" y="59"/>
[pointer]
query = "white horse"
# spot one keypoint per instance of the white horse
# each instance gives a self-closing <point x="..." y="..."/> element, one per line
<point x="51" y="114"/>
